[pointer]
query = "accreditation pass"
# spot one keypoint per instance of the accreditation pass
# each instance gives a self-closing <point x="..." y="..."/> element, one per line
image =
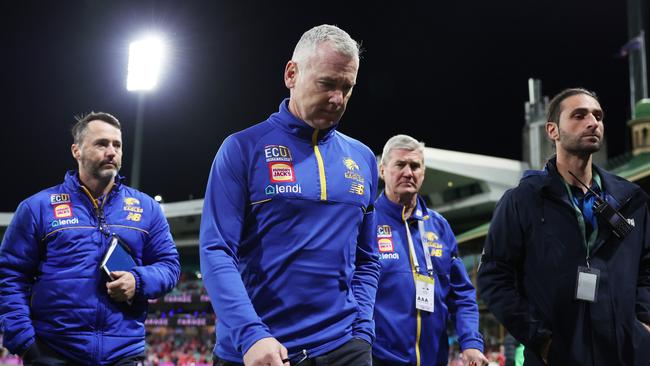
<point x="424" y="290"/>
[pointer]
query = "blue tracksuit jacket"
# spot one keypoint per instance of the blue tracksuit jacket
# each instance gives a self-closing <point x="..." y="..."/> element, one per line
<point x="51" y="286"/>
<point x="406" y="335"/>
<point x="286" y="238"/>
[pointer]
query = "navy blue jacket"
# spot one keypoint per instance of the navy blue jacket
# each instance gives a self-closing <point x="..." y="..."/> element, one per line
<point x="529" y="269"/>
<point x="286" y="239"/>
<point x="51" y="286"/>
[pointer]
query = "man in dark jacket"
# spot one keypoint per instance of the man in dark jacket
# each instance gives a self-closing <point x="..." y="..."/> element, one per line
<point x="56" y="305"/>
<point x="567" y="276"/>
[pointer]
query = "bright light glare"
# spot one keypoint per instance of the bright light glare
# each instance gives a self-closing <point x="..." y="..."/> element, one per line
<point x="145" y="59"/>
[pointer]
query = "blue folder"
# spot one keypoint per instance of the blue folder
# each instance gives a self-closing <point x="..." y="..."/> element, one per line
<point x="117" y="258"/>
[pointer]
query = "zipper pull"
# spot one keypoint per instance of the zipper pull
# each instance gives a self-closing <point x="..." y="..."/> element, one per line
<point x="101" y="222"/>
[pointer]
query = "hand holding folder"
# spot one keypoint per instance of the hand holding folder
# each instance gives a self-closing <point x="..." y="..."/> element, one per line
<point x="116" y="264"/>
<point x="117" y="257"/>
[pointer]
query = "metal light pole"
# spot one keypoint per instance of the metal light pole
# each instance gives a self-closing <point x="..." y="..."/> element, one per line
<point x="145" y="58"/>
<point x="636" y="56"/>
<point x="137" y="146"/>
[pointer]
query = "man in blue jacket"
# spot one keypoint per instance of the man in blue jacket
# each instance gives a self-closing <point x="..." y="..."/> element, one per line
<point x="57" y="306"/>
<point x="286" y="233"/>
<point x="566" y="263"/>
<point x="423" y="282"/>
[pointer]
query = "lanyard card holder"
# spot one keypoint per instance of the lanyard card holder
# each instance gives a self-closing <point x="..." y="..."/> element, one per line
<point x="424" y="292"/>
<point x="587" y="284"/>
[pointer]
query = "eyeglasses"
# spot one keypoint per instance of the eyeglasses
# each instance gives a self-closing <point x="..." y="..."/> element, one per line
<point x="298" y="359"/>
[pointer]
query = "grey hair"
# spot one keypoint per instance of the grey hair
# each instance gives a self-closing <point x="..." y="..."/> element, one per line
<point x="401" y="142"/>
<point x="340" y="40"/>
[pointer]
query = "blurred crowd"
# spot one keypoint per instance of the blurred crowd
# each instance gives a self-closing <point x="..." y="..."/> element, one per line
<point x="192" y="345"/>
<point x="180" y="346"/>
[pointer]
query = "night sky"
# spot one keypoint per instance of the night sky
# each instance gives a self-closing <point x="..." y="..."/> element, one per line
<point x="451" y="73"/>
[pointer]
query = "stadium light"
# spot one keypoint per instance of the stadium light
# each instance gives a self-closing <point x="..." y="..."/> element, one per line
<point x="145" y="61"/>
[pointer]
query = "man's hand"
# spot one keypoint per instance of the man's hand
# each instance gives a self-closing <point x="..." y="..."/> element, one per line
<point x="123" y="287"/>
<point x="545" y="350"/>
<point x="474" y="357"/>
<point x="265" y="352"/>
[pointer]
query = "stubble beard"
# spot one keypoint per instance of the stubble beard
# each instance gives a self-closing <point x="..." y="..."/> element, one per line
<point x="103" y="175"/>
<point x="575" y="146"/>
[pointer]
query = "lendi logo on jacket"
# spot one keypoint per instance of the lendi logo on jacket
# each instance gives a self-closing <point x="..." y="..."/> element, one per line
<point x="273" y="189"/>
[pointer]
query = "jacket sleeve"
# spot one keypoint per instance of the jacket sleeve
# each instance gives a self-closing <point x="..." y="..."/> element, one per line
<point x="461" y="300"/>
<point x="643" y="284"/>
<point x="221" y="230"/>
<point x="500" y="273"/>
<point x="19" y="256"/>
<point x="366" y="274"/>
<point x="161" y="268"/>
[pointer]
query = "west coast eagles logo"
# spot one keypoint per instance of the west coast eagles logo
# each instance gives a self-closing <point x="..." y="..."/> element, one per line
<point x="131" y="201"/>
<point x="431" y="240"/>
<point x="132" y="206"/>
<point x="350" y="164"/>
<point x="352" y="168"/>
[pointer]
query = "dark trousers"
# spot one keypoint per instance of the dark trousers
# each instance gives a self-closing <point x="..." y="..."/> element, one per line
<point x="40" y="354"/>
<point x="356" y="352"/>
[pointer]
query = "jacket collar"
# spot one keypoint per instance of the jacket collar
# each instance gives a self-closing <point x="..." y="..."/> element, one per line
<point x="550" y="182"/>
<point x="293" y="125"/>
<point x="395" y="210"/>
<point x="619" y="193"/>
<point x="72" y="182"/>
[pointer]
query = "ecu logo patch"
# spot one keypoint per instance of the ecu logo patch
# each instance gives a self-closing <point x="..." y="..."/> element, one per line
<point x="277" y="153"/>
<point x="55" y="199"/>
<point x="383" y="231"/>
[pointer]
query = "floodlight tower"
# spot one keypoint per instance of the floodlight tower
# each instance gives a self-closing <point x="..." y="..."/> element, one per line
<point x="145" y="60"/>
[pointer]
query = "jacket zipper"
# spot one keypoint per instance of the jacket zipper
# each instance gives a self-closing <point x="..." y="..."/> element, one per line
<point x="103" y="229"/>
<point x="418" y="321"/>
<point x="321" y="166"/>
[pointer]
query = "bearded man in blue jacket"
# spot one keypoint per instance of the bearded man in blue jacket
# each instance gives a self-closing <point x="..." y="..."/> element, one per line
<point x="58" y="307"/>
<point x="566" y="263"/>
<point x="423" y="281"/>
<point x="286" y="233"/>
